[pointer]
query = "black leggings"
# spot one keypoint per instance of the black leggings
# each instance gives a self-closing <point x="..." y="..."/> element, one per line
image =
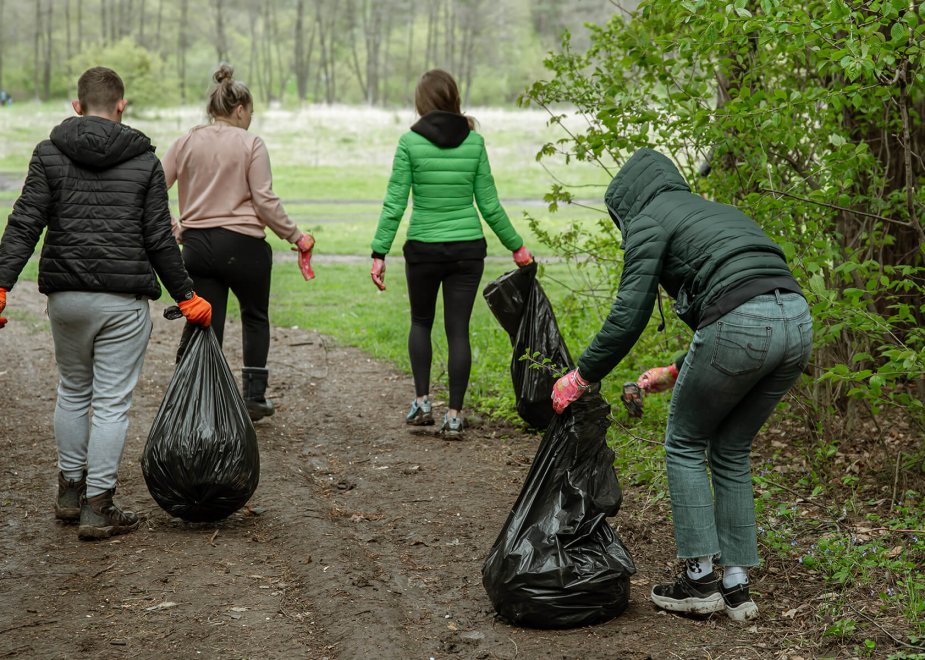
<point x="460" y="280"/>
<point x="220" y="260"/>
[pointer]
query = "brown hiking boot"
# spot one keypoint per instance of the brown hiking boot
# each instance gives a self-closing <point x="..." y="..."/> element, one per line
<point x="100" y="518"/>
<point x="70" y="492"/>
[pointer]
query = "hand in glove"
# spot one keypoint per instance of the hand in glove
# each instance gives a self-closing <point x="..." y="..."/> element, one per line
<point x="378" y="273"/>
<point x="658" y="379"/>
<point x="2" y="306"/>
<point x="304" y="247"/>
<point x="567" y="389"/>
<point x="196" y="310"/>
<point x="522" y="256"/>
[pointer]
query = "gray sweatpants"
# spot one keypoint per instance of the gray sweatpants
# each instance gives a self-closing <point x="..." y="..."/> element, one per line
<point x="100" y="341"/>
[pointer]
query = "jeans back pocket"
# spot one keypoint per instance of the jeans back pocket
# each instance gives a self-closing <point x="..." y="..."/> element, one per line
<point x="740" y="349"/>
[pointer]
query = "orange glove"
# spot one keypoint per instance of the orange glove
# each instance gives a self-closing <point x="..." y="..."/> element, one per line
<point x="196" y="310"/>
<point x="522" y="256"/>
<point x="304" y="247"/>
<point x="658" y="379"/>
<point x="2" y="306"/>
<point x="378" y="273"/>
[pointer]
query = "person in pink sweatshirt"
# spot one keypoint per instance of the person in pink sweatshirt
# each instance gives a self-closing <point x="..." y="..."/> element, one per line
<point x="226" y="203"/>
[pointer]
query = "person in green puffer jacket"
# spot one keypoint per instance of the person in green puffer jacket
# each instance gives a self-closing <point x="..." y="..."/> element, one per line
<point x="443" y="162"/>
<point x="752" y="339"/>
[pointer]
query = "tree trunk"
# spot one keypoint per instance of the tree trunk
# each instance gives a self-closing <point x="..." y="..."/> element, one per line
<point x="2" y="43"/>
<point x="80" y="23"/>
<point x="67" y="28"/>
<point x="182" y="45"/>
<point x="37" y="48"/>
<point x="160" y="20"/>
<point x="46" y="76"/>
<point x="104" y="13"/>
<point x="221" y="40"/>
<point x="141" y="24"/>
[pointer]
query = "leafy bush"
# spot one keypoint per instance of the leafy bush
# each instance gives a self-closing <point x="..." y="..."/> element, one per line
<point x="809" y="120"/>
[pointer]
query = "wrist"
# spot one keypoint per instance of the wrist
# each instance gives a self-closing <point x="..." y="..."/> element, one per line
<point x="673" y="370"/>
<point x="580" y="382"/>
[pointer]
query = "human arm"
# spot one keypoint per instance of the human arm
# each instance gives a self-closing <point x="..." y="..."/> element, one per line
<point x="486" y="198"/>
<point x="396" y="201"/>
<point x="159" y="243"/>
<point x="645" y="248"/>
<point x="267" y="204"/>
<point x="567" y="390"/>
<point x="25" y="224"/>
<point x="169" y="163"/>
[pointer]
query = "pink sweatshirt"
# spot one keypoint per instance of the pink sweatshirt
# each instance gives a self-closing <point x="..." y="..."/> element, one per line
<point x="225" y="181"/>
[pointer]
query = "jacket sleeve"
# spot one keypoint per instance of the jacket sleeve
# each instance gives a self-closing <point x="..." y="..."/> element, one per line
<point x="396" y="200"/>
<point x="266" y="202"/>
<point x="160" y="246"/>
<point x="486" y="198"/>
<point x="25" y="224"/>
<point x="645" y="251"/>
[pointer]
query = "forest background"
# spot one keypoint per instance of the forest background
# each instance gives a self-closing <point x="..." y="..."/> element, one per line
<point x="810" y="117"/>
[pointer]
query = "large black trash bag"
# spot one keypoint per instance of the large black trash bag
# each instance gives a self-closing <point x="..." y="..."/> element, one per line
<point x="519" y="303"/>
<point x="201" y="461"/>
<point x="557" y="563"/>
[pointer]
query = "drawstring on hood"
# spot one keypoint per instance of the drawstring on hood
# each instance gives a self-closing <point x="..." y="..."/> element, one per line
<point x="98" y="143"/>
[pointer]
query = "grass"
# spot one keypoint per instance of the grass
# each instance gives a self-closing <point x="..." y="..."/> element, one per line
<point x="331" y="166"/>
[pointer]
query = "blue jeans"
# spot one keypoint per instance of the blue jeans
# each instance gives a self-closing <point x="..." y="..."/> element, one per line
<point x="736" y="371"/>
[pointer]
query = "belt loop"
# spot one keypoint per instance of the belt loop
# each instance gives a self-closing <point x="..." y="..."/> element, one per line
<point x="777" y="295"/>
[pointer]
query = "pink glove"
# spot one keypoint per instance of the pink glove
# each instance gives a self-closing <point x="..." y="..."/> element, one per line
<point x="2" y="306"/>
<point x="658" y="379"/>
<point x="378" y="273"/>
<point x="522" y="256"/>
<point x="567" y="389"/>
<point x="304" y="247"/>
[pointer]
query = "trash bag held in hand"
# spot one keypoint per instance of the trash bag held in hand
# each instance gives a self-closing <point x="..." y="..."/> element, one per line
<point x="557" y="563"/>
<point x="519" y="303"/>
<point x="201" y="461"/>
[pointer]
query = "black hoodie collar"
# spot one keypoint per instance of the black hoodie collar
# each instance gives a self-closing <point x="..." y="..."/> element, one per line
<point x="445" y="129"/>
<point x="99" y="143"/>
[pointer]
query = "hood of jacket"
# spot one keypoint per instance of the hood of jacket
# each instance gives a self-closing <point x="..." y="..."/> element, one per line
<point x="642" y="178"/>
<point x="98" y="143"/>
<point x="444" y="129"/>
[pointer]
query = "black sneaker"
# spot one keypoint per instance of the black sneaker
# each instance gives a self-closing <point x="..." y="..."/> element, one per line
<point x="691" y="596"/>
<point x="739" y="605"/>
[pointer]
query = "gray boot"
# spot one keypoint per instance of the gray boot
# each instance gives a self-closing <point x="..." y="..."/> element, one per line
<point x="70" y="492"/>
<point x="255" y="389"/>
<point x="100" y="518"/>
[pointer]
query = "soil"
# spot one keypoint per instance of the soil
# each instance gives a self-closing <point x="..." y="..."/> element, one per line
<point x="363" y="539"/>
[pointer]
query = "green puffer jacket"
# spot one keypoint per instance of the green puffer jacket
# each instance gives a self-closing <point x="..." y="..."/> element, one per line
<point x="696" y="249"/>
<point x="445" y="165"/>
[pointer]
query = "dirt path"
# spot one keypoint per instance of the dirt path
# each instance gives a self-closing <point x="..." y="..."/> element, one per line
<point x="365" y="540"/>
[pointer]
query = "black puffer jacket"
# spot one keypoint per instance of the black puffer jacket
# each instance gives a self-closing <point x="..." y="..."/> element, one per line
<point x="98" y="188"/>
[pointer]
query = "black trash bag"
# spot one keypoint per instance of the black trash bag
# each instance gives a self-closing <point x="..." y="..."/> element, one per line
<point x="519" y="303"/>
<point x="557" y="563"/>
<point x="201" y="461"/>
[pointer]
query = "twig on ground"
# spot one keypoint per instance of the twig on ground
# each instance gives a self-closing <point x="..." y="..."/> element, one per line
<point x="103" y="570"/>
<point x="212" y="540"/>
<point x="34" y="624"/>
<point x="885" y="631"/>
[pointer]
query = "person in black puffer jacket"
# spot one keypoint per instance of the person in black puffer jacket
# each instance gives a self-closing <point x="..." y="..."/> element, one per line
<point x="97" y="190"/>
<point x="752" y="339"/>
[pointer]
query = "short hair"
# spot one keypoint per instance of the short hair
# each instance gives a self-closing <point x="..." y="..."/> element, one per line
<point x="99" y="88"/>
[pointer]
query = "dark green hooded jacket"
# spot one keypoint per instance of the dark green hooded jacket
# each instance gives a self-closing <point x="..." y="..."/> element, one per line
<point x="709" y="257"/>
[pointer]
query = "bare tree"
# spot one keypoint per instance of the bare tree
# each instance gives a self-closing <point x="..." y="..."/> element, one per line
<point x="37" y="47"/>
<point x="2" y="40"/>
<point x="221" y="40"/>
<point x="303" y="52"/>
<point x="182" y="47"/>
<point x="46" y="74"/>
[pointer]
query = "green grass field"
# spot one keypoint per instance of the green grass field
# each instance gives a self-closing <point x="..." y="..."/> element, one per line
<point x="331" y="166"/>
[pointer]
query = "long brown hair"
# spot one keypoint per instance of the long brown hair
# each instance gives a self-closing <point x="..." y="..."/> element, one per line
<point x="227" y="94"/>
<point x="437" y="90"/>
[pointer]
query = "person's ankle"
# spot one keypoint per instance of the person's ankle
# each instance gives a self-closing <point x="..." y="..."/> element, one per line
<point x="452" y="413"/>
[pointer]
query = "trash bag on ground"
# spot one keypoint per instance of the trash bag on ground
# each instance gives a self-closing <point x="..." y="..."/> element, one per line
<point x="201" y="461"/>
<point x="519" y="303"/>
<point x="557" y="562"/>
